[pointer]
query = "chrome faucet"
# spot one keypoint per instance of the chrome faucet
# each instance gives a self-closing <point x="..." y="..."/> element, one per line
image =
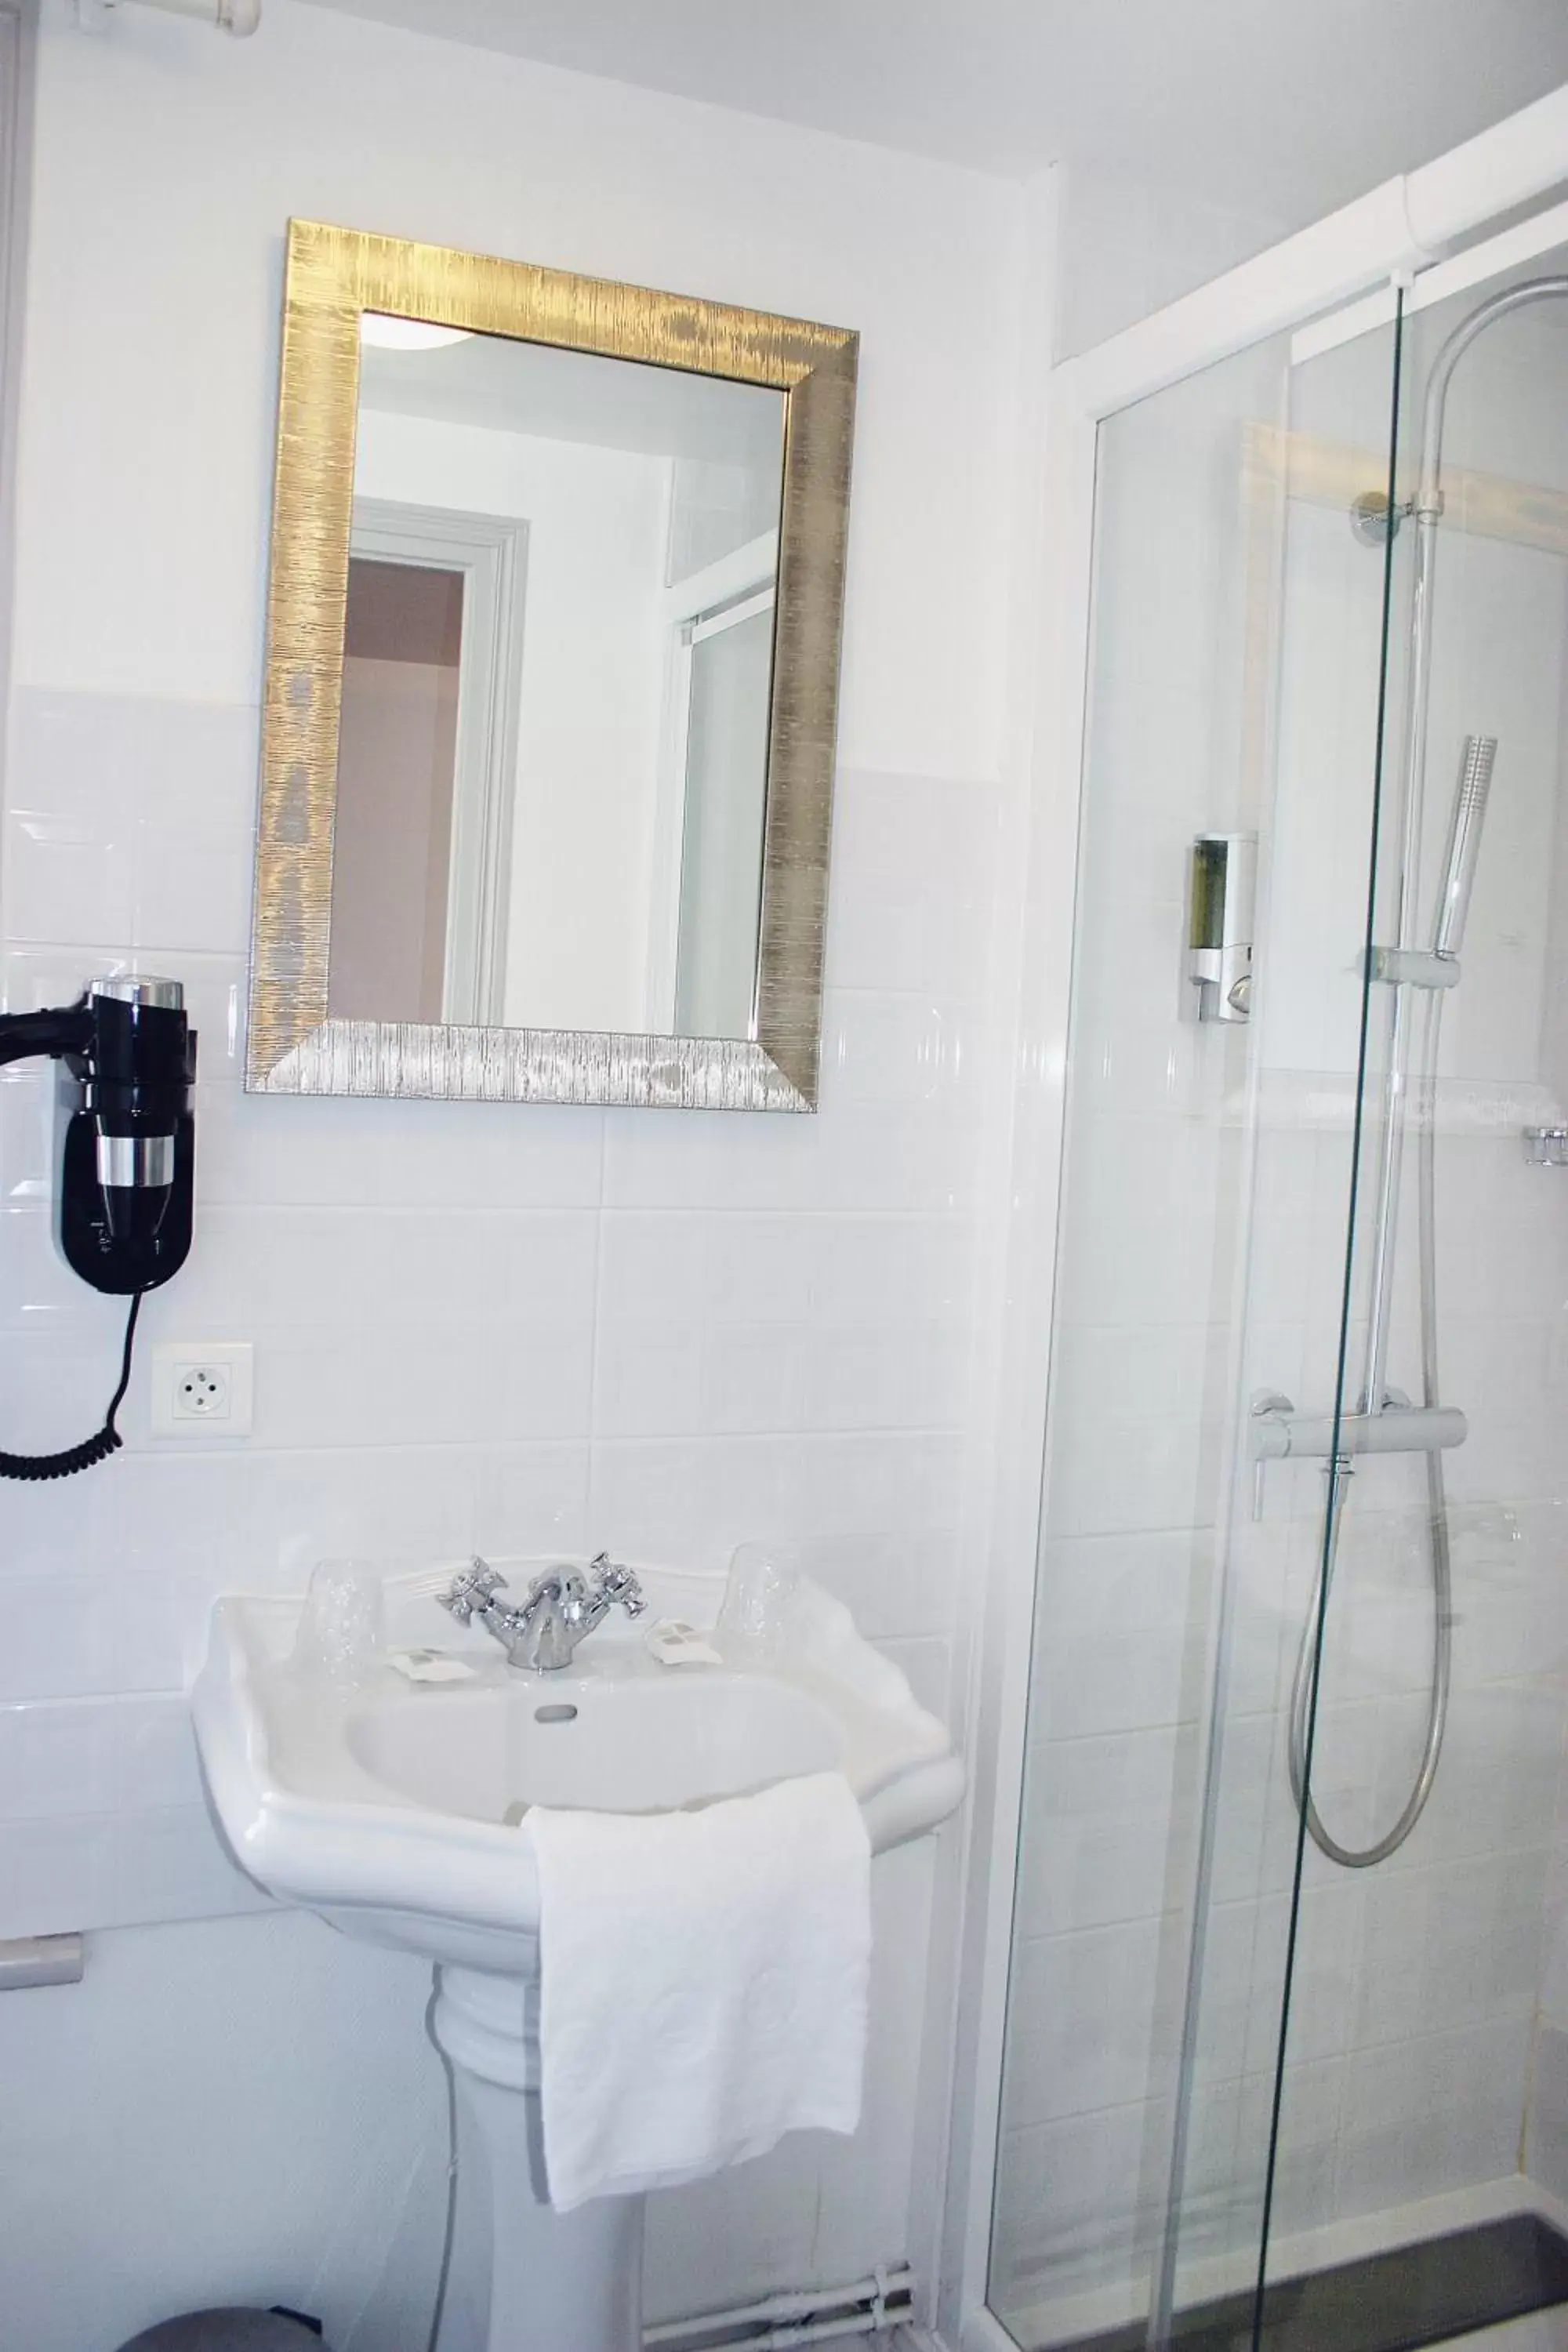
<point x="562" y="1608"/>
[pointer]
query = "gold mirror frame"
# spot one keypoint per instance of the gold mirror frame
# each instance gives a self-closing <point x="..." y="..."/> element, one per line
<point x="292" y="1047"/>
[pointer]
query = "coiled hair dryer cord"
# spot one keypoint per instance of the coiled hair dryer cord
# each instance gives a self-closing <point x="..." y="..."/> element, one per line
<point x="91" y="1450"/>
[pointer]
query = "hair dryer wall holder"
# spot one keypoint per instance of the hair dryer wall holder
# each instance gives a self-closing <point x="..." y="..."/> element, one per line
<point x="124" y="1180"/>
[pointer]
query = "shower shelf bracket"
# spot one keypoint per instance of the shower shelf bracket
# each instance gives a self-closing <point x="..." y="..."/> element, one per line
<point x="1412" y="968"/>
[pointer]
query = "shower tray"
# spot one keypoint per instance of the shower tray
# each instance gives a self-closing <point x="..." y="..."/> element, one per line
<point x="1409" y="2297"/>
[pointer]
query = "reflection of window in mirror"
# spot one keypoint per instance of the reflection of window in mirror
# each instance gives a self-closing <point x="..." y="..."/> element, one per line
<point x="721" y="856"/>
<point x="720" y="572"/>
<point x="615" y="530"/>
<point x="703" y="968"/>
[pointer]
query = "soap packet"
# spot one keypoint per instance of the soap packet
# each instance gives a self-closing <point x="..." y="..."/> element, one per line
<point x="674" y="1642"/>
<point x="429" y="1667"/>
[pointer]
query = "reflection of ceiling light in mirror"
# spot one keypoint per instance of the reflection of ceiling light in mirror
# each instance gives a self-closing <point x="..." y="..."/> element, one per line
<point x="391" y="334"/>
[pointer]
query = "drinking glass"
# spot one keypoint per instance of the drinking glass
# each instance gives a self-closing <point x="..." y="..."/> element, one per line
<point x="757" y="1614"/>
<point x="339" y="1638"/>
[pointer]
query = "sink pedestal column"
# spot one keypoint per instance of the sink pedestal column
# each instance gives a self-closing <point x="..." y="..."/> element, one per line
<point x="521" y="2277"/>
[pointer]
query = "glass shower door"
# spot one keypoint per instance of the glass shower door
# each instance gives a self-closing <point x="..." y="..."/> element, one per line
<point x="1421" y="2061"/>
<point x="1240" y="678"/>
<point x="1287" y="2044"/>
<point x="1275" y="1923"/>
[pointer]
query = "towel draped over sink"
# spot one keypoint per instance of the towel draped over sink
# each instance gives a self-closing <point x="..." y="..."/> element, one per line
<point x="703" y="1983"/>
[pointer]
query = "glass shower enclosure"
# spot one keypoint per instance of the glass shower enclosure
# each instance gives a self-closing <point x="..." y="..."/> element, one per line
<point x="1286" y="2052"/>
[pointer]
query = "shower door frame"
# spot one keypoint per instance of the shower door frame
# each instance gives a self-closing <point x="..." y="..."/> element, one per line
<point x="1330" y="281"/>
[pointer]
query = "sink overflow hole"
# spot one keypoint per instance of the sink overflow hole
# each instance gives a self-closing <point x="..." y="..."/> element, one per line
<point x="554" y="1713"/>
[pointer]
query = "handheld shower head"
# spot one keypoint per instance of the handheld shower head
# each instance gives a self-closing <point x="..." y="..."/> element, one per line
<point x="1464" y="843"/>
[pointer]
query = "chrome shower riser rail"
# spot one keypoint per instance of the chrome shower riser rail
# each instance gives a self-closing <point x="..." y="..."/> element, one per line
<point x="1407" y="845"/>
<point x="1425" y="972"/>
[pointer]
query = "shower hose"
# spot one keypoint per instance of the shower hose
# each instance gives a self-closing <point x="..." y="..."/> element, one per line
<point x="1309" y="1659"/>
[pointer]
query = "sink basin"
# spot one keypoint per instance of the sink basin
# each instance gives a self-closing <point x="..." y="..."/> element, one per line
<point x="616" y="1743"/>
<point x="393" y="1808"/>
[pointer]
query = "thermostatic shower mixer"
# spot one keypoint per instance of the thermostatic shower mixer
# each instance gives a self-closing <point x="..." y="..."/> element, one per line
<point x="1223" y="886"/>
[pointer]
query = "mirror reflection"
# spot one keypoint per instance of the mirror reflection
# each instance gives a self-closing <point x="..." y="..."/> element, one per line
<point x="557" y="681"/>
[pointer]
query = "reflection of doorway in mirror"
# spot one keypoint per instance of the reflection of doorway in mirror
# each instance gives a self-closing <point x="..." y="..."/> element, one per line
<point x="469" y="817"/>
<point x="397" y="740"/>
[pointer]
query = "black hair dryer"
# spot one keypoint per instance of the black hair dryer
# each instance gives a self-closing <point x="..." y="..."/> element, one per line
<point x="127" y="1155"/>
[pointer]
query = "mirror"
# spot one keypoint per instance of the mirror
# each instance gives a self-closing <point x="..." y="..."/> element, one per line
<point x="552" y="680"/>
<point x="552" y="752"/>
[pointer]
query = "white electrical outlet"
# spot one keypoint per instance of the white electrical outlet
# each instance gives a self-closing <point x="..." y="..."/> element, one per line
<point x="202" y="1388"/>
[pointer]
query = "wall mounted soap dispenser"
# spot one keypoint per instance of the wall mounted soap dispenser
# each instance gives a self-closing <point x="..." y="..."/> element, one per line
<point x="127" y="1156"/>
<point x="1224" y="888"/>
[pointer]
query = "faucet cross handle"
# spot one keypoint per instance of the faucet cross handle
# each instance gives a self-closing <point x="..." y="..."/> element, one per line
<point x="617" y="1583"/>
<point x="471" y="1591"/>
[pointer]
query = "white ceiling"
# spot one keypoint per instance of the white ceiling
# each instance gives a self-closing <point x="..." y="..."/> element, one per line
<point x="1284" y="107"/>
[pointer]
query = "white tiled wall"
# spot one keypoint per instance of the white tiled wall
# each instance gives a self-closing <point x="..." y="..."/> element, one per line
<point x="474" y="1327"/>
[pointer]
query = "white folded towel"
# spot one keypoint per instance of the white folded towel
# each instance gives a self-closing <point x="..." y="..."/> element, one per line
<point x="703" y="1983"/>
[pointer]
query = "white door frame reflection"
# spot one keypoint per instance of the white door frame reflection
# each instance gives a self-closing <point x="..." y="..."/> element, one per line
<point x="490" y="553"/>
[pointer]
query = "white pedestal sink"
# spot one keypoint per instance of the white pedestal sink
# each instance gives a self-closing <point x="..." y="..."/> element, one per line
<point x="391" y="1809"/>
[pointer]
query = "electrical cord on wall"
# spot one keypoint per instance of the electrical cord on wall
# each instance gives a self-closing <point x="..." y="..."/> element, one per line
<point x="91" y="1450"/>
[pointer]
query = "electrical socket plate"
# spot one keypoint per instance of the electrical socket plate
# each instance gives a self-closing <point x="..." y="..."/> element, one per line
<point x="202" y="1388"/>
